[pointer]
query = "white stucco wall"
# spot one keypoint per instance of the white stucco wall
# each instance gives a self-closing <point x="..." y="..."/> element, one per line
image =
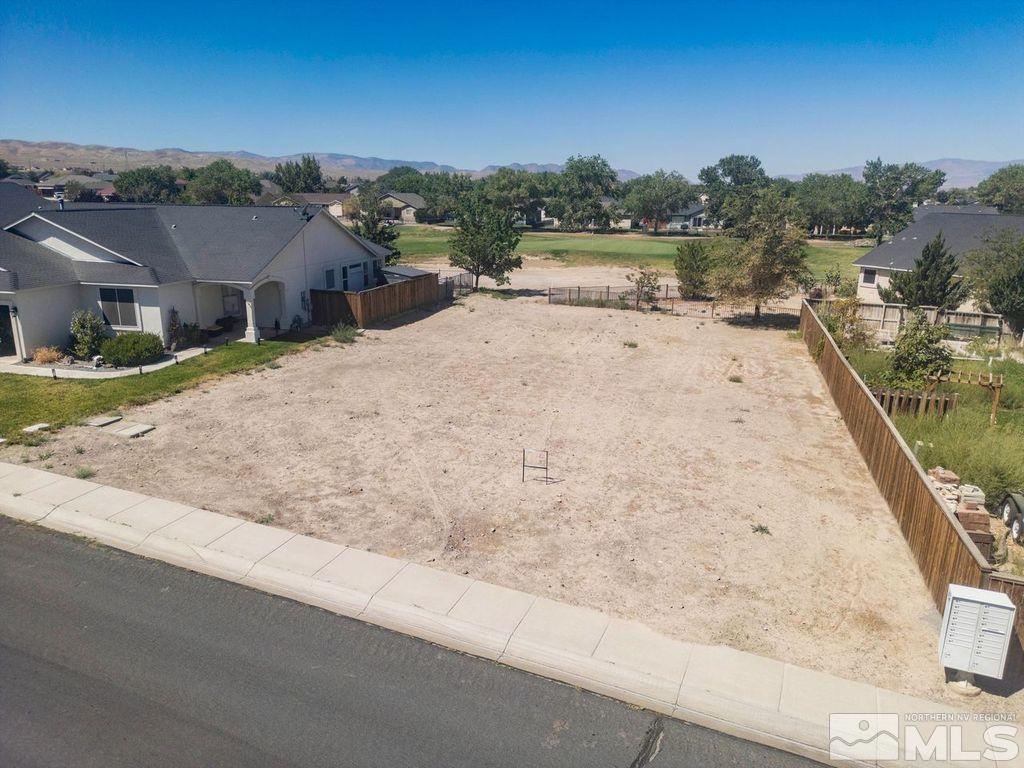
<point x="302" y="264"/>
<point x="44" y="316"/>
<point x="177" y="296"/>
<point x="868" y="292"/>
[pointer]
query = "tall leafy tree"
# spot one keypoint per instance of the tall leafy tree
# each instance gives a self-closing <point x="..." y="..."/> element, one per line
<point x="372" y="223"/>
<point x="149" y="184"/>
<point x="832" y="201"/>
<point x="931" y="283"/>
<point x="1004" y="189"/>
<point x="222" y="183"/>
<point x="5" y="169"/>
<point x="771" y="262"/>
<point x="441" y="192"/>
<point x="996" y="273"/>
<point x="303" y="176"/>
<point x="655" y="196"/>
<point x="583" y="182"/>
<point x="732" y="185"/>
<point x="519" y="190"/>
<point x="485" y="240"/>
<point x="404" y="178"/>
<point x="894" y="190"/>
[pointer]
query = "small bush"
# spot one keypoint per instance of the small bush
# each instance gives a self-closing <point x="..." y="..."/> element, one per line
<point x="630" y="344"/>
<point x="344" y="334"/>
<point x="735" y="379"/>
<point x="131" y="349"/>
<point x="46" y="355"/>
<point x="87" y="334"/>
<point x="761" y="528"/>
<point x="84" y="473"/>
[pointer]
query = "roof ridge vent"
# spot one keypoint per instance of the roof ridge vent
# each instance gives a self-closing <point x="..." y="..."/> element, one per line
<point x="255" y="216"/>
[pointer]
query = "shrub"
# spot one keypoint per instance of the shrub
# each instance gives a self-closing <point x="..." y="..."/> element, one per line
<point x="842" y="319"/>
<point x="918" y="353"/>
<point x="46" y="355"/>
<point x="84" y="473"/>
<point x="87" y="334"/>
<point x="130" y="349"/>
<point x="344" y="334"/>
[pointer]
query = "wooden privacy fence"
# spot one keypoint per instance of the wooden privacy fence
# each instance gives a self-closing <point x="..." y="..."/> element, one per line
<point x="887" y="319"/>
<point x="362" y="308"/>
<point x="944" y="552"/>
<point x="920" y="403"/>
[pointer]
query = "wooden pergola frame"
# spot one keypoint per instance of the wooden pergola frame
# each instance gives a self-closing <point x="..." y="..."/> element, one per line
<point x="992" y="382"/>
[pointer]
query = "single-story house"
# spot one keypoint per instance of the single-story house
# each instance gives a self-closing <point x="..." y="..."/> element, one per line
<point x="403" y="205"/>
<point x="926" y="209"/>
<point x="53" y="187"/>
<point x="332" y="201"/>
<point x="134" y="265"/>
<point x="962" y="232"/>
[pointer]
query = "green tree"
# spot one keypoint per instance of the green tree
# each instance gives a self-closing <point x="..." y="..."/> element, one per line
<point x="832" y="201"/>
<point x="303" y="176"/>
<point x="403" y="178"/>
<point x="442" y="192"/>
<point x="519" y="190"/>
<point x="149" y="184"/>
<point x="931" y="283"/>
<point x="76" y="192"/>
<point x="893" y="191"/>
<point x="693" y="267"/>
<point x="732" y="185"/>
<point x="485" y="240"/>
<point x="996" y="274"/>
<point x="5" y="169"/>
<point x="655" y="196"/>
<point x="577" y="200"/>
<point x="371" y="222"/>
<point x="1004" y="189"/>
<point x="917" y="353"/>
<point x="771" y="263"/>
<point x="222" y="183"/>
<point x="645" y="284"/>
<point x="88" y="332"/>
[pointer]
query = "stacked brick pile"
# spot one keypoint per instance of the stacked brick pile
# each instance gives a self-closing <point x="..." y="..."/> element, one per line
<point x="968" y="503"/>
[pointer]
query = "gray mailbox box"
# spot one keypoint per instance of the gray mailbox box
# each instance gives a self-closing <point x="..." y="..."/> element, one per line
<point x="977" y="627"/>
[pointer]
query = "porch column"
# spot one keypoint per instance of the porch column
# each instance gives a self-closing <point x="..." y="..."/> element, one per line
<point x="252" y="333"/>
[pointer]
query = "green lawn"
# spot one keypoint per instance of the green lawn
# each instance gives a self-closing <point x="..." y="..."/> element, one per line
<point x="33" y="399"/>
<point x="989" y="457"/>
<point x="428" y="243"/>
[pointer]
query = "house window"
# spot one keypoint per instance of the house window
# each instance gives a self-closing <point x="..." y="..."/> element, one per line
<point x="869" y="276"/>
<point x="344" y="278"/>
<point x="329" y="279"/>
<point x="118" y="307"/>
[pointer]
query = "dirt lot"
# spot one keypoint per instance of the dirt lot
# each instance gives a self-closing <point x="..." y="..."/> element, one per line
<point x="409" y="442"/>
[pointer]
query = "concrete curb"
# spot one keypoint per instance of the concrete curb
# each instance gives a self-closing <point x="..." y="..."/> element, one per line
<point x="748" y="696"/>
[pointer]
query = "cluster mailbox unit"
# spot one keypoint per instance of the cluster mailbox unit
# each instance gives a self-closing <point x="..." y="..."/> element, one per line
<point x="976" y="630"/>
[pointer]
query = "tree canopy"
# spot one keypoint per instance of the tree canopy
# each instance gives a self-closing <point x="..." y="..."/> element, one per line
<point x="485" y="239"/>
<point x="996" y="274"/>
<point x="149" y="184"/>
<point x="832" y="201"/>
<point x="893" y="191"/>
<point x="581" y="185"/>
<point x="1004" y="189"/>
<point x="403" y="178"/>
<point x="303" y="176"/>
<point x="732" y="185"/>
<point x="222" y="183"/>
<point x="371" y="222"/>
<point x="655" y="196"/>
<point x="931" y="283"/>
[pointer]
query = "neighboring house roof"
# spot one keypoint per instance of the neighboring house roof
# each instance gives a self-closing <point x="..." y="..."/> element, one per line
<point x="404" y="272"/>
<point x="976" y="208"/>
<point x="962" y="232"/>
<point x="21" y="181"/>
<point x="694" y="209"/>
<point x="376" y="250"/>
<point x="89" y="182"/>
<point x="319" y="199"/>
<point x="17" y="202"/>
<point x="409" y="198"/>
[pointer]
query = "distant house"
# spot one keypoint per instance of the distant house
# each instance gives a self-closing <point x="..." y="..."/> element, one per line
<point x="403" y="205"/>
<point x="334" y="202"/>
<point x="929" y="208"/>
<point x="962" y="232"/>
<point x="692" y="218"/>
<point x="54" y="187"/>
<point x="133" y="264"/>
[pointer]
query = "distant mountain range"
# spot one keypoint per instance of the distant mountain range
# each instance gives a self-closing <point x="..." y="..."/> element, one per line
<point x="55" y="155"/>
<point x="959" y="172"/>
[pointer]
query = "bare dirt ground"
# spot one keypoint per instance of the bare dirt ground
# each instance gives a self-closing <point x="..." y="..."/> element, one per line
<point x="540" y="273"/>
<point x="408" y="443"/>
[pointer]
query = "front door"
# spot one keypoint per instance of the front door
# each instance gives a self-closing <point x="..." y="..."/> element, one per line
<point x="6" y="332"/>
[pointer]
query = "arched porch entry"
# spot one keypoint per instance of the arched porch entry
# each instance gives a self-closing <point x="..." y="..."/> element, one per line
<point x="270" y="305"/>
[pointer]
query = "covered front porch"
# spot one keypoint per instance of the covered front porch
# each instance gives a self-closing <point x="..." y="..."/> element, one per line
<point x="228" y="307"/>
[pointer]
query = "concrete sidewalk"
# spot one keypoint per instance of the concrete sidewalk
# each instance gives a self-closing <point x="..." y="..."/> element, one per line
<point x="754" y="698"/>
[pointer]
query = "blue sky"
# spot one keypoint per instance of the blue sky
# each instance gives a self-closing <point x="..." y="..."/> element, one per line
<point x="804" y="85"/>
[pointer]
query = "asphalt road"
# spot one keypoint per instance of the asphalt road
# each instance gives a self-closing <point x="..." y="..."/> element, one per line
<point x="107" y="659"/>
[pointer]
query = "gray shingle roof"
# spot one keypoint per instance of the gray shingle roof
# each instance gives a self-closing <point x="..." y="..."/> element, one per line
<point x="962" y="232"/>
<point x="409" y="198"/>
<point x="30" y="265"/>
<point x="976" y="208"/>
<point x="17" y="202"/>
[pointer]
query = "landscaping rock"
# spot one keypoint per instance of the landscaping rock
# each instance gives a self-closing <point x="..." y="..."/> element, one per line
<point x="973" y="520"/>
<point x="42" y="426"/>
<point x="972" y="493"/>
<point x="944" y="475"/>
